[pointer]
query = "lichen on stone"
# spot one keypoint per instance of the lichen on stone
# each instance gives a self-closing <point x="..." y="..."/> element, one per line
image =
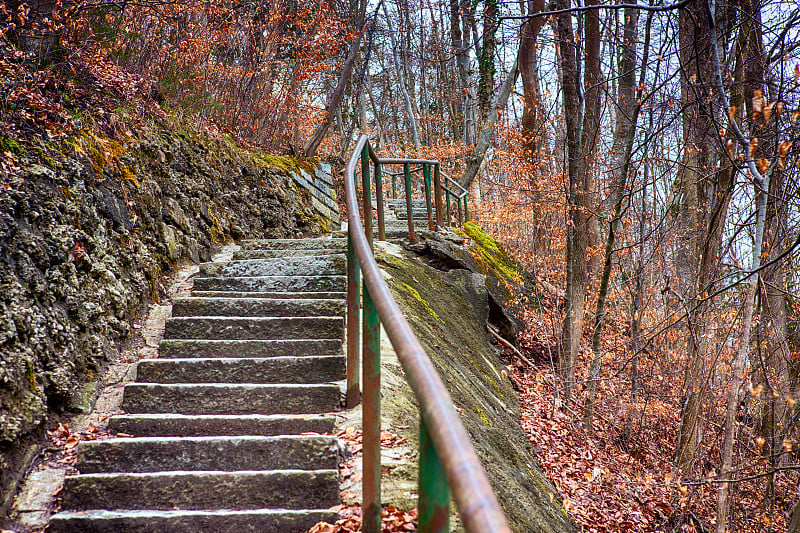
<point x="450" y="330"/>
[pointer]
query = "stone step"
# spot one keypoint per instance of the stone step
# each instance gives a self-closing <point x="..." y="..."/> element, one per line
<point x="272" y="284"/>
<point x="284" y="489"/>
<point x="418" y="214"/>
<point x="419" y="203"/>
<point x="227" y="454"/>
<point x="256" y="307"/>
<point x="308" y="369"/>
<point x="270" y="254"/>
<point x="276" y="295"/>
<point x="204" y="348"/>
<point x="213" y="521"/>
<point x="254" y="328"/>
<point x="319" y="243"/>
<point x="240" y="399"/>
<point x="325" y="265"/>
<point x="174" y="425"/>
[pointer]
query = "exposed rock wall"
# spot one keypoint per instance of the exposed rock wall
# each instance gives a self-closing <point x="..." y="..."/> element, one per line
<point x="88" y="228"/>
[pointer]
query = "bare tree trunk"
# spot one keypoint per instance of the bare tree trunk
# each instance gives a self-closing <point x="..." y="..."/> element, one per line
<point x="576" y="221"/>
<point x="628" y="105"/>
<point x="486" y="59"/>
<point x="461" y="50"/>
<point x="698" y="243"/>
<point x="398" y="70"/>
<point x="532" y="117"/>
<point x="485" y="138"/>
<point x="313" y="142"/>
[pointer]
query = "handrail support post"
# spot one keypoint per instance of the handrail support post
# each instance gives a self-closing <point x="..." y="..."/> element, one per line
<point x="437" y="192"/>
<point x="426" y="177"/>
<point x="371" y="423"/>
<point x="379" y="201"/>
<point x="434" y="492"/>
<point x="412" y="236"/>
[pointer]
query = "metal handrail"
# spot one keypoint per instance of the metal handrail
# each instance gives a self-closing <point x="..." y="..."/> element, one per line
<point x="447" y="458"/>
<point x="450" y="180"/>
<point x="463" y="195"/>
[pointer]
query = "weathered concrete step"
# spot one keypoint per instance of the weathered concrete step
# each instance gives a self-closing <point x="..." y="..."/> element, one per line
<point x="270" y="254"/>
<point x="325" y="265"/>
<point x="228" y="454"/>
<point x="256" y="307"/>
<point x="172" y="425"/>
<point x="308" y="369"/>
<point x="286" y="489"/>
<point x="288" y="244"/>
<point x="241" y="399"/>
<point x="202" y="348"/>
<point x="272" y="284"/>
<point x="213" y="521"/>
<point x="254" y="328"/>
<point x="276" y="295"/>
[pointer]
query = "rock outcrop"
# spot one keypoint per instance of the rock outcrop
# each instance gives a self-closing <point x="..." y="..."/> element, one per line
<point x="88" y="228"/>
<point x="448" y="311"/>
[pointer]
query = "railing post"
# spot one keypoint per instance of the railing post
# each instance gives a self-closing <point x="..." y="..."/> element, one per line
<point x="458" y="204"/>
<point x="394" y="186"/>
<point x="371" y="420"/>
<point x="434" y="492"/>
<point x="426" y="177"/>
<point x="437" y="193"/>
<point x="366" y="193"/>
<point x="379" y="201"/>
<point x="447" y="202"/>
<point x="466" y="209"/>
<point x="412" y="236"/>
<point x="353" y="393"/>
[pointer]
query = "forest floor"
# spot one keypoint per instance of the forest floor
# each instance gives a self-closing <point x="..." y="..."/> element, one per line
<point x="621" y="476"/>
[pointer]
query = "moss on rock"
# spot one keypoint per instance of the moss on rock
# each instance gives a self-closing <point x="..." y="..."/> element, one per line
<point x="86" y="239"/>
<point x="448" y="326"/>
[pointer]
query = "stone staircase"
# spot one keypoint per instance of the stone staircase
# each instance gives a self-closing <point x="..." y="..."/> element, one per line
<point x="227" y="425"/>
<point x="397" y="217"/>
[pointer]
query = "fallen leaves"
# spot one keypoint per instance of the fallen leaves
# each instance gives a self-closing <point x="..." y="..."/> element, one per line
<point x="354" y="437"/>
<point x="392" y="520"/>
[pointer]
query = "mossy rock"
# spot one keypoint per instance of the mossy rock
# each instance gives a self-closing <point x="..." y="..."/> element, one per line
<point x="448" y="325"/>
<point x="507" y="281"/>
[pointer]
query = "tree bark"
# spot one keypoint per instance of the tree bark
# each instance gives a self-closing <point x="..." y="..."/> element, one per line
<point x="486" y="59"/>
<point x="532" y="117"/>
<point x="699" y="241"/>
<point x="461" y="50"/>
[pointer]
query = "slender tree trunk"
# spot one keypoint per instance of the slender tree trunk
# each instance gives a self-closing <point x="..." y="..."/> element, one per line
<point x="697" y="243"/>
<point x="485" y="137"/>
<point x="532" y="116"/>
<point x="312" y="143"/>
<point x="576" y="219"/>
<point x="398" y="70"/>
<point x="628" y="108"/>
<point x="461" y="51"/>
<point x="486" y="59"/>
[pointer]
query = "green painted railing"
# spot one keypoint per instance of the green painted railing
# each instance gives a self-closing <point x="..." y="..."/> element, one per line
<point x="448" y="462"/>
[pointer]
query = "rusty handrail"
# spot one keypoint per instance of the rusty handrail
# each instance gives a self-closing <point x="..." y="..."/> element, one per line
<point x="477" y="505"/>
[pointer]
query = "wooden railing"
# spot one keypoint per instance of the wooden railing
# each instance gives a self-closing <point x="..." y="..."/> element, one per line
<point x="447" y="459"/>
